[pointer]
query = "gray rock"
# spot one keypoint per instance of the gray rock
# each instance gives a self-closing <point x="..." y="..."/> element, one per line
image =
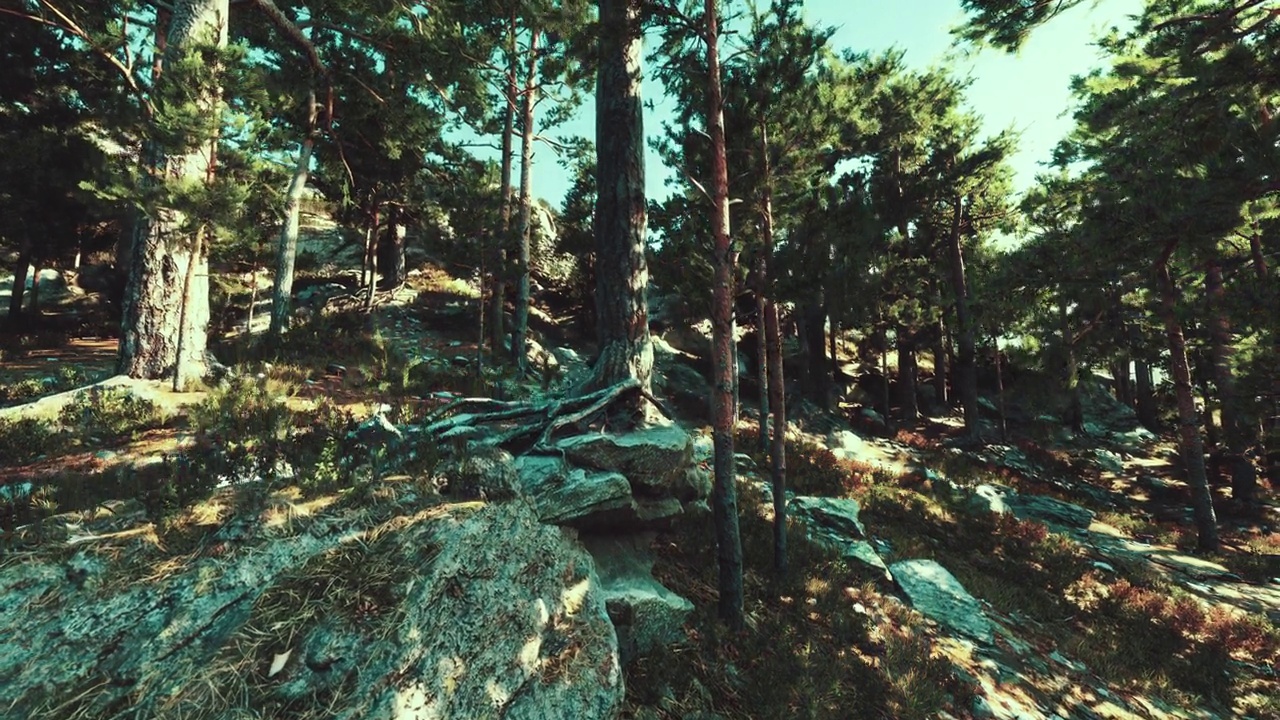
<point x="566" y="495"/>
<point x="646" y="615"/>
<point x="1050" y="510"/>
<point x="481" y="474"/>
<point x="1108" y="461"/>
<point x="990" y="498"/>
<point x="654" y="459"/>
<point x="834" y="524"/>
<point x="937" y="594"/>
<point x="378" y="434"/>
<point x="485" y="612"/>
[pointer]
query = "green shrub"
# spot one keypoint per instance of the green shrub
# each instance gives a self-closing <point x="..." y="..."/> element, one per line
<point x="102" y="413"/>
<point x="26" y="439"/>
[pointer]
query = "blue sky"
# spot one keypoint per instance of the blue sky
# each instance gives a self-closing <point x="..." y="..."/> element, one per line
<point x="1028" y="92"/>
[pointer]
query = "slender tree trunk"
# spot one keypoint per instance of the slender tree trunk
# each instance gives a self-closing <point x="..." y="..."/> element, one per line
<point x="940" y="390"/>
<point x="1074" y="417"/>
<point x="391" y="251"/>
<point x="521" y="330"/>
<point x="622" y="273"/>
<point x="836" y="372"/>
<point x="499" y="288"/>
<point x="1124" y="382"/>
<point x="156" y="321"/>
<point x="375" y="220"/>
<point x="762" y="348"/>
<point x="815" y="343"/>
<point x="35" y="289"/>
<point x="287" y="248"/>
<point x="20" y="271"/>
<point x="1145" y="394"/>
<point x="1234" y="431"/>
<point x="1188" y="429"/>
<point x="886" y="392"/>
<point x="724" y="493"/>
<point x="1004" y="421"/>
<point x="966" y="370"/>
<point x="776" y="383"/>
<point x="907" y="377"/>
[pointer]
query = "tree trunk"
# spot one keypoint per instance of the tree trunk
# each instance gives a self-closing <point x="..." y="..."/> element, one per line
<point x="1192" y="445"/>
<point x="622" y="273"/>
<point x="762" y="345"/>
<point x="375" y="220"/>
<point x="391" y="251"/>
<point x="940" y="390"/>
<point x="724" y="493"/>
<point x="156" y="321"/>
<point x="521" y="330"/>
<point x="907" y="377"/>
<point x="818" y="369"/>
<point x="1074" y="416"/>
<point x="20" y="271"/>
<point x="1243" y="479"/>
<point x="1145" y="394"/>
<point x="498" y="285"/>
<point x="287" y="248"/>
<point x="35" y="289"/>
<point x="776" y="381"/>
<point x="1124" y="382"/>
<point x="966" y="360"/>
<point x="1004" y="421"/>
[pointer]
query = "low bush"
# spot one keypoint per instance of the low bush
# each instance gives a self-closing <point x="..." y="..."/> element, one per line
<point x="26" y="439"/>
<point x="109" y="414"/>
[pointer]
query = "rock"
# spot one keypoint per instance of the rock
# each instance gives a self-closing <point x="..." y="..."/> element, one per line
<point x="874" y="420"/>
<point x="646" y="615"/>
<point x="704" y="448"/>
<point x="1047" y="509"/>
<point x="989" y="498"/>
<point x="316" y="297"/>
<point x="1108" y="461"/>
<point x="846" y="445"/>
<point x="449" y="623"/>
<point x="654" y="459"/>
<point x="378" y="435"/>
<point x="696" y="484"/>
<point x="566" y="495"/>
<point x="833" y="523"/>
<point x="938" y="595"/>
<point x="481" y="474"/>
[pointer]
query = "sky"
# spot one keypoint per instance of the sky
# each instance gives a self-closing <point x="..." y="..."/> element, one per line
<point x="1028" y="92"/>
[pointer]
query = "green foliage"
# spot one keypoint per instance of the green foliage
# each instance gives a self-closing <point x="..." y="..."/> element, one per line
<point x="25" y="439"/>
<point x="104" y="414"/>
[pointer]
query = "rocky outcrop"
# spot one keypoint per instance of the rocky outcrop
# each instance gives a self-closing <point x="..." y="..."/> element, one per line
<point x="653" y="459"/>
<point x="993" y="498"/>
<point x="646" y="615"/>
<point x="465" y="610"/>
<point x="833" y="523"/>
<point x="937" y="594"/>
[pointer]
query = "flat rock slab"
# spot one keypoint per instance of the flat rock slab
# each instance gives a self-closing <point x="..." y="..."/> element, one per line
<point x="654" y="459"/>
<point x="834" y="524"/>
<point x="936" y="593"/>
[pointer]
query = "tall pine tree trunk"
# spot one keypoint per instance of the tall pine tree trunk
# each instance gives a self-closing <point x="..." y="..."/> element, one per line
<point x="1145" y="394"/>
<point x="20" y="271"/>
<point x="1191" y="444"/>
<point x="371" y="252"/>
<point x="762" y="349"/>
<point x="164" y="330"/>
<point x="1004" y="418"/>
<point x="814" y="339"/>
<point x="776" y="380"/>
<point x="391" y="251"/>
<point x="1234" y="431"/>
<point x="1074" y="415"/>
<point x="498" y="286"/>
<point x="724" y="492"/>
<point x="287" y="248"/>
<point x="966" y="365"/>
<point x="622" y="273"/>
<point x="521" y="330"/>
<point x="907" y="377"/>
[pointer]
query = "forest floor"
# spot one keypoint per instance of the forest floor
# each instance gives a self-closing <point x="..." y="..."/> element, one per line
<point x="1119" y="619"/>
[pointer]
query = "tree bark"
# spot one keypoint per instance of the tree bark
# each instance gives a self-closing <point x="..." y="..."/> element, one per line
<point x="776" y="382"/>
<point x="762" y="346"/>
<point x="1074" y="416"/>
<point x="1004" y="421"/>
<point x="1124" y="382"/>
<point x="910" y="410"/>
<point x="20" y="271"/>
<point x="391" y="251"/>
<point x="724" y="493"/>
<point x="622" y="273"/>
<point x="497" y="302"/>
<point x="1192" y="445"/>
<point x="156" y="322"/>
<point x="966" y="365"/>
<point x="287" y="248"/>
<point x="521" y="330"/>
<point x="1144" y="394"/>
<point x="1234" y="431"/>
<point x="375" y="220"/>
<point x="818" y="369"/>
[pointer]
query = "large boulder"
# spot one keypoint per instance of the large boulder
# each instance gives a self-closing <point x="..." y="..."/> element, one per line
<point x="1050" y="510"/>
<point x="646" y="615"/>
<point x="833" y="523"/>
<point x="457" y="611"/>
<point x="937" y="594"/>
<point x="654" y="459"/>
<point x="600" y="499"/>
